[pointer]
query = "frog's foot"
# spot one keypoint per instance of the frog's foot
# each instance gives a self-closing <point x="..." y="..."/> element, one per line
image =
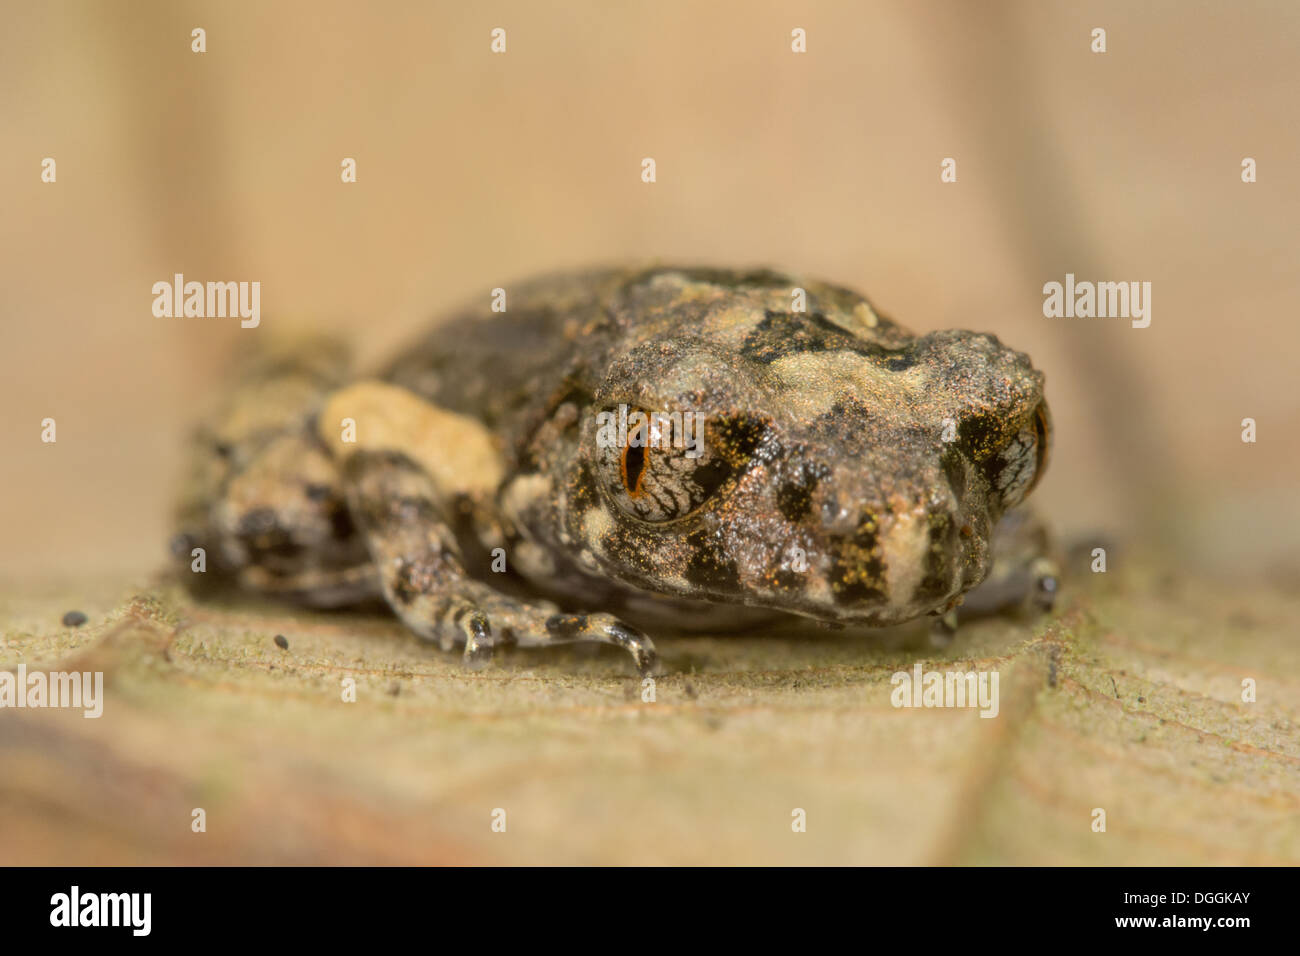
<point x="602" y="628"/>
<point x="1024" y="574"/>
<point x="494" y="619"/>
<point x="943" y="629"/>
<point x="423" y="576"/>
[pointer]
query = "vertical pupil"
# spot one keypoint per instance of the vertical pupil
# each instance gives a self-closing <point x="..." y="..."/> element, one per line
<point x="633" y="466"/>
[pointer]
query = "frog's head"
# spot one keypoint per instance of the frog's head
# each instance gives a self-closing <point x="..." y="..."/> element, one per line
<point x="264" y="500"/>
<point x="274" y="504"/>
<point x="800" y="465"/>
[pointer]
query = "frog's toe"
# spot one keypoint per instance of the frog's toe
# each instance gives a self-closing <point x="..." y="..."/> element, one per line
<point x="631" y="640"/>
<point x="603" y="629"/>
<point x="1046" y="583"/>
<point x="479" y="644"/>
<point x="943" y="630"/>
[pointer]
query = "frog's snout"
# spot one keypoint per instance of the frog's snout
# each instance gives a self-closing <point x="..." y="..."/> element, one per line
<point x="262" y="534"/>
<point x="258" y="523"/>
<point x="892" y="559"/>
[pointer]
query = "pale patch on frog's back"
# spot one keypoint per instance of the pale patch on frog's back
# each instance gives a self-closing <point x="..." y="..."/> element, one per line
<point x="455" y="451"/>
<point x="729" y="326"/>
<point x="864" y="316"/>
<point x="741" y="309"/>
<point x="727" y="306"/>
<point x="818" y="381"/>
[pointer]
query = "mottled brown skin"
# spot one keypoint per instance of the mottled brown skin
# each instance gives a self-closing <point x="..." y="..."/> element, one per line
<point x="851" y="472"/>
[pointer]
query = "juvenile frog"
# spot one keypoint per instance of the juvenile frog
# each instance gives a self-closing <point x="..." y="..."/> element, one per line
<point x="619" y="449"/>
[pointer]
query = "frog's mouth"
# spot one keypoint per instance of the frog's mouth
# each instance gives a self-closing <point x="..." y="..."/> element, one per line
<point x="882" y="565"/>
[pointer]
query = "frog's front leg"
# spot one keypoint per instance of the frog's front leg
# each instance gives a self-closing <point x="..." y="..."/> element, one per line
<point x="1025" y="571"/>
<point x="410" y="467"/>
<point x="1025" y="574"/>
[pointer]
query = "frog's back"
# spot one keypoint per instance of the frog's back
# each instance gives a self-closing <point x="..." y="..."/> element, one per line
<point x="559" y="333"/>
<point x="500" y="367"/>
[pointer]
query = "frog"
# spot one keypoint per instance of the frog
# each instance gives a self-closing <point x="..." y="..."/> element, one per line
<point x="590" y="456"/>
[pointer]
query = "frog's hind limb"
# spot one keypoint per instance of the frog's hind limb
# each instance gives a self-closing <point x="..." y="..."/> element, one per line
<point x="410" y="463"/>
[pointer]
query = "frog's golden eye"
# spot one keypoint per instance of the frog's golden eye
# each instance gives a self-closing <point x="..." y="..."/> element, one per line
<point x="658" y="469"/>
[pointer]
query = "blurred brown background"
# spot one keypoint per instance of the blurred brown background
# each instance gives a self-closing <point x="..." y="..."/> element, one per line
<point x="478" y="169"/>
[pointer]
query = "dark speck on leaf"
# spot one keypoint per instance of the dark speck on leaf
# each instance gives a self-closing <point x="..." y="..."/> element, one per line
<point x="281" y="641"/>
<point x="74" y="619"/>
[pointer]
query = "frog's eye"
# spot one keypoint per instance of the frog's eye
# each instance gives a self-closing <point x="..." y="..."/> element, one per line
<point x="658" y="468"/>
<point x="1022" y="461"/>
<point x="1043" y="442"/>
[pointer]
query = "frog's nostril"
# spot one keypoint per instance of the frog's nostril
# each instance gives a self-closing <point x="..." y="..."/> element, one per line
<point x="182" y="544"/>
<point x="266" y="537"/>
<point x="256" y="522"/>
<point x="319" y="492"/>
